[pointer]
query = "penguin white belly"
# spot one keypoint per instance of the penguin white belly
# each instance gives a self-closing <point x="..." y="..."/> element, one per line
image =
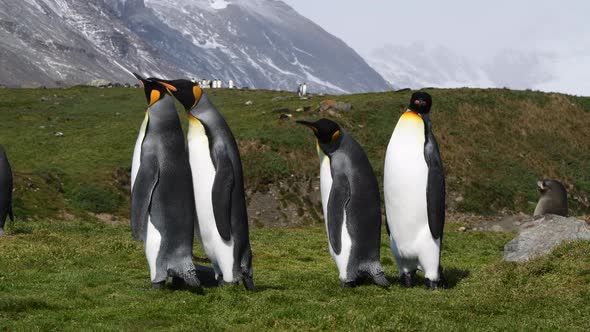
<point x="405" y="181"/>
<point x="345" y="240"/>
<point x="137" y="150"/>
<point x="152" y="247"/>
<point x="220" y="252"/>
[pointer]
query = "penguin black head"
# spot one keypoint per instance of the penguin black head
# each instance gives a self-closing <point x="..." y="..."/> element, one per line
<point x="187" y="92"/>
<point x="154" y="91"/>
<point x="327" y="132"/>
<point x="420" y="102"/>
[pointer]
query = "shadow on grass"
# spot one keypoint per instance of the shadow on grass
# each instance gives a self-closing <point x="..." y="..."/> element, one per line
<point x="454" y="276"/>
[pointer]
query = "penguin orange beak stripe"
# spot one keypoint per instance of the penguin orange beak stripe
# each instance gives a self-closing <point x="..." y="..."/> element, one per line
<point x="308" y="124"/>
<point x="168" y="86"/>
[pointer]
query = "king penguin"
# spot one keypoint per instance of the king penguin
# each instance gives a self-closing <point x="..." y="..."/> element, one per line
<point x="351" y="204"/>
<point x="218" y="186"/>
<point x="5" y="189"/>
<point x="162" y="205"/>
<point x="414" y="190"/>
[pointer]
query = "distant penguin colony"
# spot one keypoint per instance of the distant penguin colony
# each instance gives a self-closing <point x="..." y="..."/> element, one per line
<point x="351" y="204"/>
<point x="414" y="191"/>
<point x="553" y="198"/>
<point x="5" y="190"/>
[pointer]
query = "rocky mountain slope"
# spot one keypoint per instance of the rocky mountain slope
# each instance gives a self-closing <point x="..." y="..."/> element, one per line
<point x="257" y="43"/>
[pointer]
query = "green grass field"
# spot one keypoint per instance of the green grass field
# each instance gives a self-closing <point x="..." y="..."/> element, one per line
<point x="85" y="275"/>
<point x="62" y="268"/>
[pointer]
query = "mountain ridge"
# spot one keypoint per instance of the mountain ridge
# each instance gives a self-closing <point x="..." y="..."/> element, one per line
<point x="259" y="43"/>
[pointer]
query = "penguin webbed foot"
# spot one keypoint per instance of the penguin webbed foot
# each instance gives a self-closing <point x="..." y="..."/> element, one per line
<point x="406" y="279"/>
<point x="436" y="284"/>
<point x="159" y="285"/>
<point x="380" y="280"/>
<point x="349" y="284"/>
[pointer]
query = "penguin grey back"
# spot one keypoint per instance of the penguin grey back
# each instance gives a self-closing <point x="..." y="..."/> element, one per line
<point x="163" y="163"/>
<point x="553" y="198"/>
<point x="363" y="209"/>
<point x="5" y="189"/>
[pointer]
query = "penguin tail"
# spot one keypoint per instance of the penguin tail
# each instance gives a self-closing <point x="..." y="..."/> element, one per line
<point x="249" y="283"/>
<point x="10" y="215"/>
<point x="247" y="273"/>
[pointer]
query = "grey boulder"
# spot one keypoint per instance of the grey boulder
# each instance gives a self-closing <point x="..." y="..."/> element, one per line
<point x="539" y="236"/>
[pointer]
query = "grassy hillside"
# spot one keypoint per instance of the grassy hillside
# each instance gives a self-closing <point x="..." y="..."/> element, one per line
<point x="495" y="144"/>
<point x="92" y="276"/>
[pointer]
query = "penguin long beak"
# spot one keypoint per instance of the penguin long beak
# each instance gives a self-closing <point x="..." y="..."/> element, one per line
<point x="308" y="124"/>
<point x="140" y="78"/>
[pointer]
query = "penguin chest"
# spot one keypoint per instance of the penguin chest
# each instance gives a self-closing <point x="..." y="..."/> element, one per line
<point x="405" y="181"/>
<point x="136" y="161"/>
<point x="203" y="175"/>
<point x="346" y="242"/>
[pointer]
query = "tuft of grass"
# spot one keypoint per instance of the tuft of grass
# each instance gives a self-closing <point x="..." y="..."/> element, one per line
<point x="88" y="275"/>
<point x="94" y="198"/>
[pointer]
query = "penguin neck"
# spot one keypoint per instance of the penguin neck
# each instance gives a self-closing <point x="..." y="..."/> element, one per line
<point x="163" y="114"/>
<point x="410" y="128"/>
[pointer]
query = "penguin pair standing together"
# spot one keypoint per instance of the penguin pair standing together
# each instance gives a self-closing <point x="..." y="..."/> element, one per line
<point x="176" y="191"/>
<point x="414" y="199"/>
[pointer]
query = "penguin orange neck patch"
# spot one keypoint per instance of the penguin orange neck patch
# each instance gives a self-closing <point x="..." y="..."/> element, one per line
<point x="197" y="92"/>
<point x="154" y="96"/>
<point x="411" y="115"/>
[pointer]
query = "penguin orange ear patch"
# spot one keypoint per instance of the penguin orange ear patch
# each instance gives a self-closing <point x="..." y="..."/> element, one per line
<point x="197" y="92"/>
<point x="335" y="135"/>
<point x="154" y="96"/>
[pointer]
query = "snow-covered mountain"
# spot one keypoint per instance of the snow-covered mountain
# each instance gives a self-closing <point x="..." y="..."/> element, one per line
<point x="256" y="43"/>
<point x="551" y="68"/>
<point x="417" y="66"/>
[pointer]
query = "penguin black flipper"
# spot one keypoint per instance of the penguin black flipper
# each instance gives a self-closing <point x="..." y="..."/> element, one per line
<point x="222" y="193"/>
<point x="435" y="188"/>
<point x="339" y="198"/>
<point x="141" y="197"/>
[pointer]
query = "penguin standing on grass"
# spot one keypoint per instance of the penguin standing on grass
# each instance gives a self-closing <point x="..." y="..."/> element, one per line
<point x="351" y="204"/>
<point x="414" y="190"/>
<point x="5" y="190"/>
<point x="162" y="205"/>
<point x="218" y="186"/>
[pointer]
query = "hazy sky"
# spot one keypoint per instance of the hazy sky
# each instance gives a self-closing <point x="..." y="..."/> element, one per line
<point x="548" y="41"/>
<point x="470" y="27"/>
